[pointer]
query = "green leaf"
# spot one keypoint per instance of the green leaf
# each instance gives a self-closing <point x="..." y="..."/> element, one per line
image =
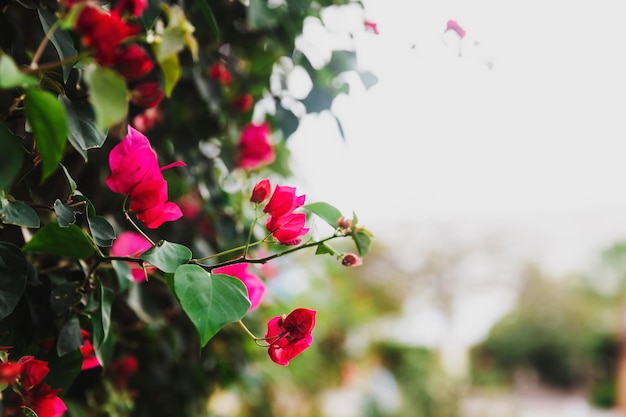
<point x="84" y="132"/>
<point x="363" y="239"/>
<point x="10" y="75"/>
<point x="28" y="412"/>
<point x="109" y="96"/>
<point x="167" y="256"/>
<point x="70" y="338"/>
<point x="46" y="117"/>
<point x="65" y="296"/>
<point x="323" y="249"/>
<point x="260" y="16"/>
<point x="70" y="181"/>
<point x="210" y="301"/>
<point x="61" y="40"/>
<point x="10" y="158"/>
<point x="55" y="240"/>
<point x="13" y="275"/>
<point x="101" y="323"/>
<point x="170" y="67"/>
<point x="328" y="213"/>
<point x="19" y="214"/>
<point x="101" y="230"/>
<point x="210" y="18"/>
<point x="65" y="215"/>
<point x="64" y="370"/>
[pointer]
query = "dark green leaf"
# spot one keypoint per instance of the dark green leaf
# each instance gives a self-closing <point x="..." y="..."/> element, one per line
<point x="10" y="75"/>
<point x="210" y="301"/>
<point x="65" y="215"/>
<point x="84" y="132"/>
<point x="101" y="322"/>
<point x="13" y="275"/>
<point x="109" y="96"/>
<point x="61" y="40"/>
<point x="10" y="157"/>
<point x="28" y="412"/>
<point x="19" y="214"/>
<point x="101" y="230"/>
<point x="70" y="338"/>
<point x="70" y="241"/>
<point x="65" y="296"/>
<point x="64" y="370"/>
<point x="210" y="18"/>
<point x="124" y="276"/>
<point x="328" y="213"/>
<point x="70" y="181"/>
<point x="46" y="117"/>
<point x="167" y="256"/>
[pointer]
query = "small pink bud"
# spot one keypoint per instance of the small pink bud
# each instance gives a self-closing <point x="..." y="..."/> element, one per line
<point x="350" y="259"/>
<point x="261" y="191"/>
<point x="344" y="223"/>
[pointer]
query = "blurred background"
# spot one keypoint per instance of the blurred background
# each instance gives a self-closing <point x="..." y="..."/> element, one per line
<point x="489" y="166"/>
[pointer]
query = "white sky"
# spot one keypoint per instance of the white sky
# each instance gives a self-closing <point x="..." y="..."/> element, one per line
<point x="533" y="148"/>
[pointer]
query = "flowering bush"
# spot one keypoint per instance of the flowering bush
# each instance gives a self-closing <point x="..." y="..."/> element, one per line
<point x="113" y="268"/>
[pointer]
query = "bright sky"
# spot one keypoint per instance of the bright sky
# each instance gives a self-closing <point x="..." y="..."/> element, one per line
<point x="533" y="147"/>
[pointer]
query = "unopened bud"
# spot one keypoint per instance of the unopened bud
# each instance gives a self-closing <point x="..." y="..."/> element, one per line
<point x="344" y="223"/>
<point x="261" y="191"/>
<point x="350" y="259"/>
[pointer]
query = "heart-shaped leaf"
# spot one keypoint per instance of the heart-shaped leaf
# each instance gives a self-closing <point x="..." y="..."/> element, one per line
<point x="328" y="213"/>
<point x="19" y="214"/>
<point x="210" y="301"/>
<point x="70" y="241"/>
<point x="167" y="256"/>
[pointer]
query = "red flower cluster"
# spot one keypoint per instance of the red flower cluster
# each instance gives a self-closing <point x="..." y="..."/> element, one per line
<point x="220" y="73"/>
<point x="255" y="149"/>
<point x="107" y="35"/>
<point x="26" y="377"/>
<point x="122" y="369"/>
<point x="135" y="172"/>
<point x="284" y="225"/>
<point x="289" y="335"/>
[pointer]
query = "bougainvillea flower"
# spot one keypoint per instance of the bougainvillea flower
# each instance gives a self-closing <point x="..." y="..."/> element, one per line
<point x="255" y="149"/>
<point x="289" y="335"/>
<point x="244" y="102"/>
<point x="287" y="229"/>
<point x="147" y="94"/>
<point x="9" y="372"/>
<point x="43" y="400"/>
<point x="132" y="244"/>
<point x="254" y="284"/>
<point x="133" y="7"/>
<point x="148" y="119"/>
<point x="455" y="27"/>
<point x="371" y="26"/>
<point x="133" y="62"/>
<point x="220" y="73"/>
<point x="33" y="371"/>
<point x="284" y="201"/>
<point x="103" y="33"/>
<point x="261" y="191"/>
<point x="123" y="368"/>
<point x="135" y="172"/>
<point x="90" y="360"/>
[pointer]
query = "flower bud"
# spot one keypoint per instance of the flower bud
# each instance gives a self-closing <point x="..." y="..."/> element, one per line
<point x="350" y="259"/>
<point x="261" y="191"/>
<point x="344" y="223"/>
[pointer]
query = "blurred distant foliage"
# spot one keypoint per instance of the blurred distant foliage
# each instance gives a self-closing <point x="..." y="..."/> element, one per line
<point x="559" y="332"/>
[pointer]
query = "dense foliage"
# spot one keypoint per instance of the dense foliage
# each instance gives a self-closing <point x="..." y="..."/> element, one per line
<point x="144" y="196"/>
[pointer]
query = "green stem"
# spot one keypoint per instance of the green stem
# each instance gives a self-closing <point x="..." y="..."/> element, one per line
<point x="256" y="217"/>
<point x="135" y="225"/>
<point x="237" y="249"/>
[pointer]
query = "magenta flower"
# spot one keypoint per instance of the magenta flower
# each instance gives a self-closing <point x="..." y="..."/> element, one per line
<point x="135" y="172"/>
<point x="254" y="284"/>
<point x="454" y="26"/>
<point x="255" y="149"/>
<point x="283" y="201"/>
<point x="289" y="335"/>
<point x="285" y="225"/>
<point x="261" y="191"/>
<point x="132" y="244"/>
<point x="90" y="360"/>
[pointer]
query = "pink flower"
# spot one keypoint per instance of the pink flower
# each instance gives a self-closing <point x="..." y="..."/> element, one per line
<point x="255" y="149"/>
<point x="454" y="26"/>
<point x="135" y="171"/>
<point x="44" y="401"/>
<point x="244" y="102"/>
<point x="284" y="201"/>
<point x="190" y="204"/>
<point x="289" y="335"/>
<point x="261" y="191"/>
<point x="9" y="372"/>
<point x="132" y="244"/>
<point x="287" y="229"/>
<point x="254" y="284"/>
<point x="90" y="360"/>
<point x="148" y="119"/>
<point x="371" y="26"/>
